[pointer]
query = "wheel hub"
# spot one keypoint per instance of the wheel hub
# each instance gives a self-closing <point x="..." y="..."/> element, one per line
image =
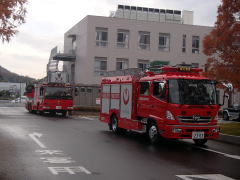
<point x="152" y="132"/>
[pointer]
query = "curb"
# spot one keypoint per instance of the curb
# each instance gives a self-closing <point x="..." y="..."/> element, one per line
<point x="229" y="139"/>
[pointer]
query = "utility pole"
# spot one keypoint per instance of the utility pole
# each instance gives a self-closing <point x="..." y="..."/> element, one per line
<point x="20" y="92"/>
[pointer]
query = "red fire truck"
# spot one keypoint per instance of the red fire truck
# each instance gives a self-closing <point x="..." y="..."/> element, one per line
<point x="177" y="103"/>
<point x="49" y="97"/>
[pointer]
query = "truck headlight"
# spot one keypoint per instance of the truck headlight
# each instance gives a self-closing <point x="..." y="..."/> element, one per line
<point x="169" y="115"/>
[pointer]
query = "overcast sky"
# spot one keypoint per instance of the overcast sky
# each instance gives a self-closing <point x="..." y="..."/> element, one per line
<point x="47" y="21"/>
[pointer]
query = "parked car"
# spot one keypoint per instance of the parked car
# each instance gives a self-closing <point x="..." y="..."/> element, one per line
<point x="18" y="100"/>
<point x="231" y="113"/>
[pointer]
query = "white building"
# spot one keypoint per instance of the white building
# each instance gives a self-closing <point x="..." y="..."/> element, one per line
<point x="131" y="37"/>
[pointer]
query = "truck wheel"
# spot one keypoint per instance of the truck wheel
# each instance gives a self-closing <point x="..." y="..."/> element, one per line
<point x="225" y="116"/>
<point x="114" y="124"/>
<point x="64" y="113"/>
<point x="41" y="112"/>
<point x="200" y="142"/>
<point x="153" y="134"/>
<point x="52" y="113"/>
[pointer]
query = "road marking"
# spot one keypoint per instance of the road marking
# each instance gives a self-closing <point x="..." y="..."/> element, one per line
<point x="225" y="154"/>
<point x="57" y="160"/>
<point x="204" y="177"/>
<point x="88" y="118"/>
<point x="69" y="170"/>
<point x="50" y="152"/>
<point x="36" y="135"/>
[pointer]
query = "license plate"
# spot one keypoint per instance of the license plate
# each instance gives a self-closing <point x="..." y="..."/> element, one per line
<point x="197" y="135"/>
<point x="58" y="107"/>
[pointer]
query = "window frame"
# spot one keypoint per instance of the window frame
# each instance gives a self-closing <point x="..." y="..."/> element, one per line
<point x="164" y="90"/>
<point x="122" y="60"/>
<point x="123" y="44"/>
<point x="166" y="46"/>
<point x="99" y="71"/>
<point x="195" y="44"/>
<point x="143" y="62"/>
<point x="144" y="46"/>
<point x="100" y="42"/>
<point x="147" y="90"/>
<point x="184" y="43"/>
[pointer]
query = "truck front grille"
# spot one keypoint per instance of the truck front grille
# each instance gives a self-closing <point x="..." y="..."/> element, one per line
<point x="190" y="119"/>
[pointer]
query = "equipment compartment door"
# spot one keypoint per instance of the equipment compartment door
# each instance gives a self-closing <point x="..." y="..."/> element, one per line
<point x="105" y="98"/>
<point x="115" y="96"/>
<point x="126" y="101"/>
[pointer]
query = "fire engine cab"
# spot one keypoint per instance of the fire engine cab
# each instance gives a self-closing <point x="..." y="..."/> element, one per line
<point x="49" y="97"/>
<point x="175" y="103"/>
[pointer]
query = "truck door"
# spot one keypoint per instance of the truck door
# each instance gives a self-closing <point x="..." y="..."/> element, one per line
<point x="159" y="99"/>
<point x="143" y="104"/>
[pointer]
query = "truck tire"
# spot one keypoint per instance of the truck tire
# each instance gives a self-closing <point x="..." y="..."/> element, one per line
<point x="114" y="124"/>
<point x="200" y="142"/>
<point x="41" y="112"/>
<point x="152" y="133"/>
<point x="225" y="116"/>
<point x="64" y="113"/>
<point x="52" y="113"/>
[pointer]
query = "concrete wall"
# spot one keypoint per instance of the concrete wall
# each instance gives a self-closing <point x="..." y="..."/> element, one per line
<point x="87" y="49"/>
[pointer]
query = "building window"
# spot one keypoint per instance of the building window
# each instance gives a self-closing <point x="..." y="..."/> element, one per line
<point x="121" y="64"/>
<point x="143" y="64"/>
<point x="184" y="37"/>
<point x="164" y="42"/>
<point x="82" y="89"/>
<point x="195" y="44"/>
<point x="144" y="40"/>
<point x="74" y="45"/>
<point x="122" y="38"/>
<point x="72" y="73"/>
<point x="101" y="36"/>
<point x="100" y="66"/>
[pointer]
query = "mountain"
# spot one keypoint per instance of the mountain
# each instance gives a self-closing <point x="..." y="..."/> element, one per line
<point x="7" y="76"/>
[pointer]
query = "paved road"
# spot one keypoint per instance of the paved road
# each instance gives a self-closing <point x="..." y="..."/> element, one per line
<point x="43" y="147"/>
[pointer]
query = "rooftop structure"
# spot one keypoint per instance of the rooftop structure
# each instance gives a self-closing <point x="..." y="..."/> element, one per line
<point x="153" y="14"/>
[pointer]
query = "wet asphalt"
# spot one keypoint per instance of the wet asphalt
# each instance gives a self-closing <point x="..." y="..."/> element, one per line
<point x="53" y="147"/>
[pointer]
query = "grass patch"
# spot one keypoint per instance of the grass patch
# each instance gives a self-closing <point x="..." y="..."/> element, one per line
<point x="230" y="128"/>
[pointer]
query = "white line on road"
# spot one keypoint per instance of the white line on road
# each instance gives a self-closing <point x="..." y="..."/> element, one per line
<point x="70" y="170"/>
<point x="36" y="135"/>
<point x="204" y="176"/>
<point x="224" y="154"/>
<point x="88" y="118"/>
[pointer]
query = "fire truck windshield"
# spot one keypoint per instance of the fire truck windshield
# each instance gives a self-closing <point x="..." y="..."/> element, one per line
<point x="58" y="93"/>
<point x="192" y="92"/>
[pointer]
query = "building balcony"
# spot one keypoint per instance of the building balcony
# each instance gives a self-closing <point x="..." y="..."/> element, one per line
<point x="69" y="56"/>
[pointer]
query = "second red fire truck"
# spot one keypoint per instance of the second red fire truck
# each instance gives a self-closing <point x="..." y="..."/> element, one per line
<point x="49" y="97"/>
<point x="176" y="103"/>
